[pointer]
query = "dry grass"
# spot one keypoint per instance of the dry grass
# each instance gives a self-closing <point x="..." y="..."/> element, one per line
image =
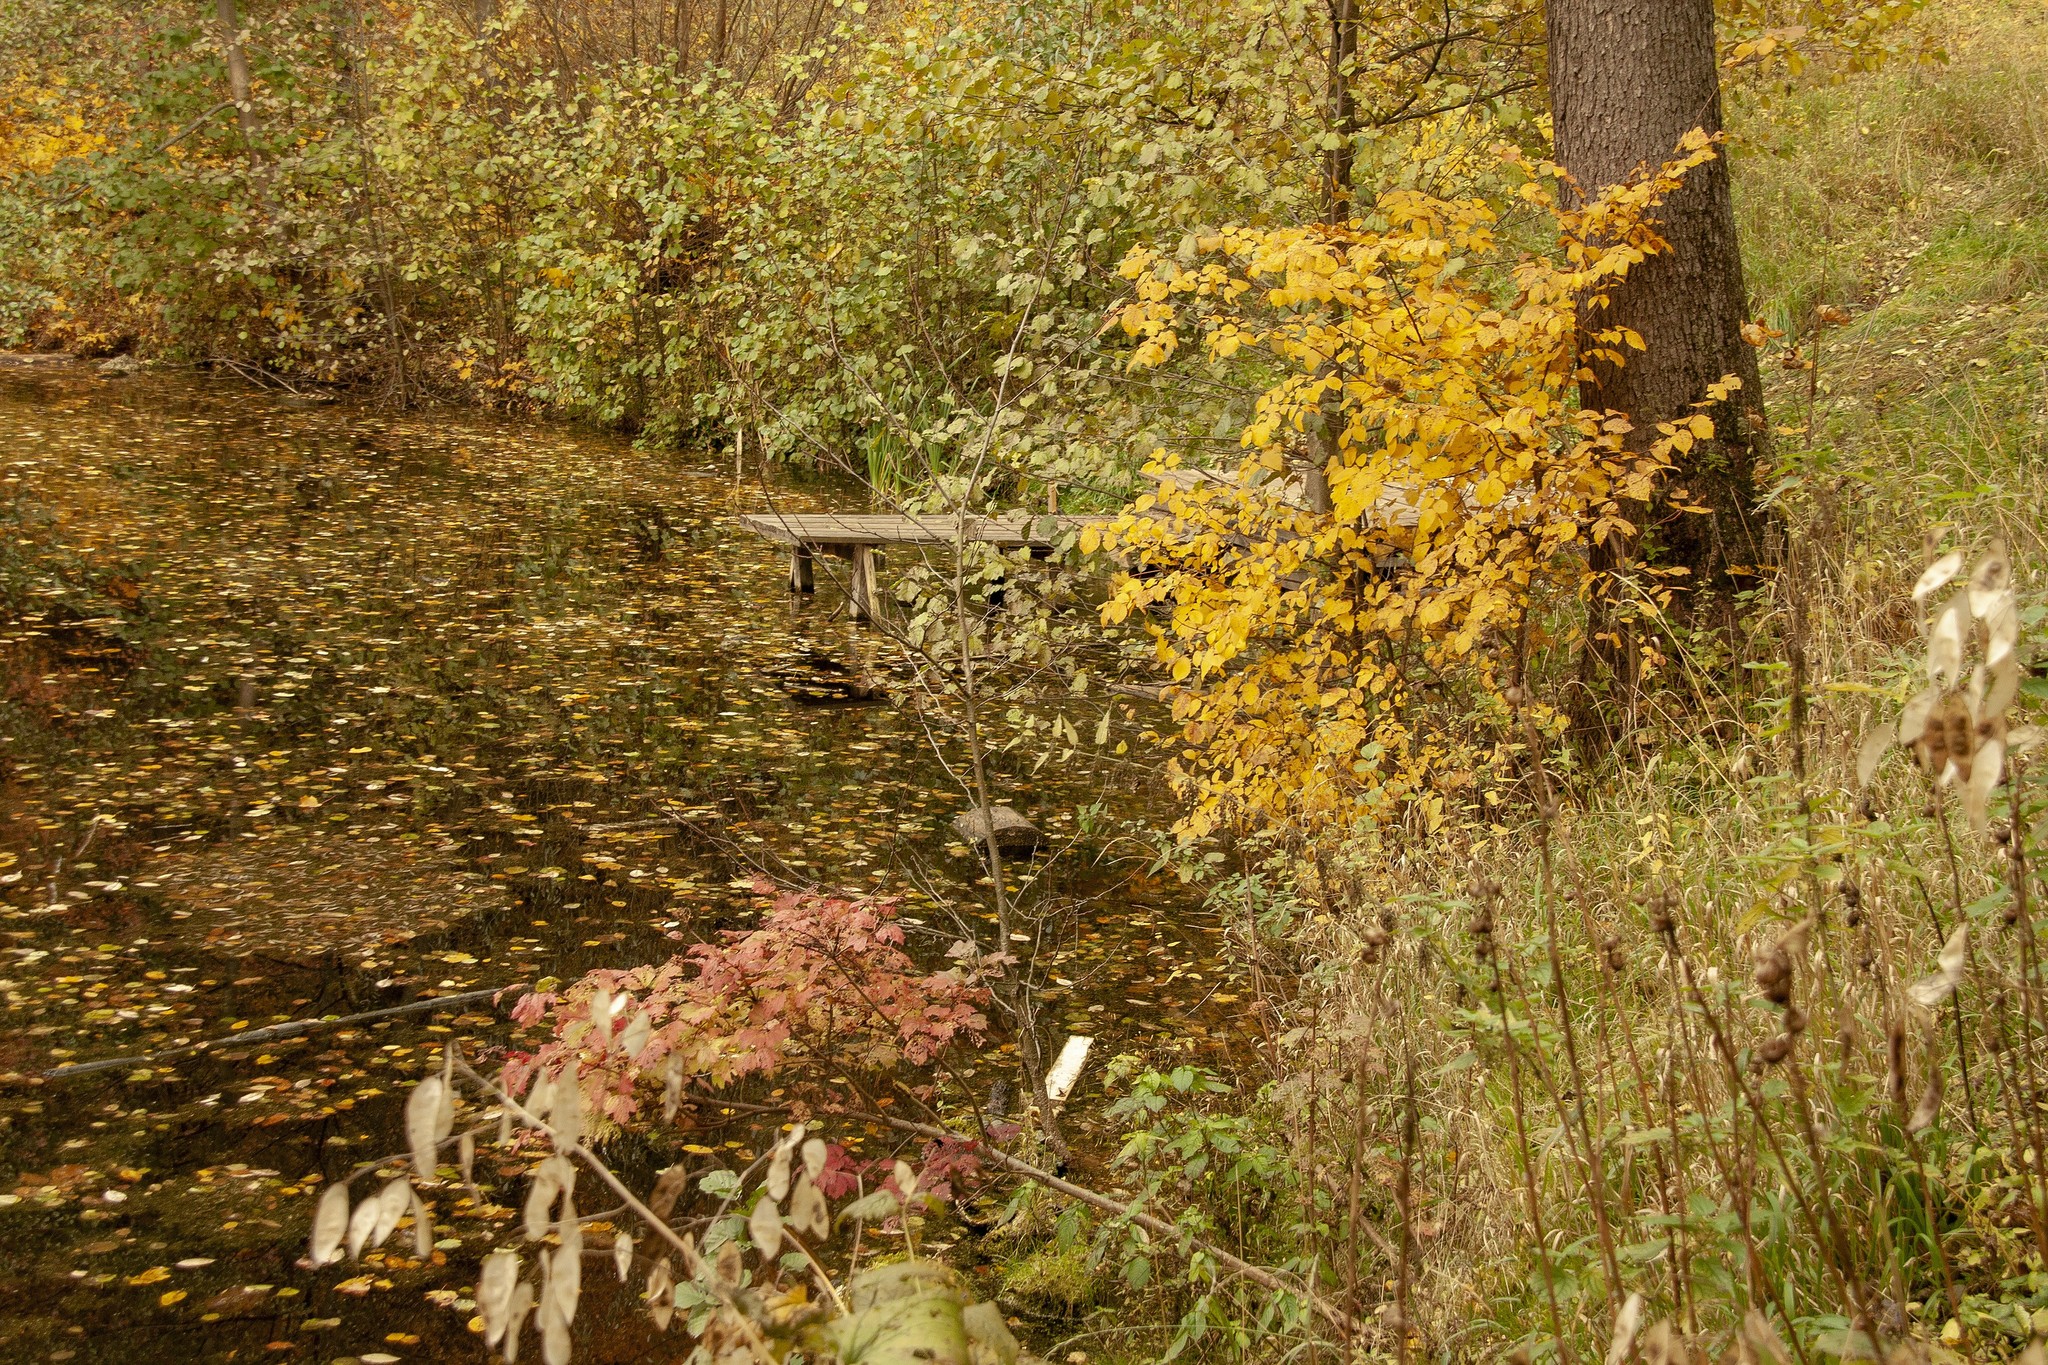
<point x="1917" y="200"/>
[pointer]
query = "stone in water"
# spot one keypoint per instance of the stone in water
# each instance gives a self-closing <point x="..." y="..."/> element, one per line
<point x="1014" y="834"/>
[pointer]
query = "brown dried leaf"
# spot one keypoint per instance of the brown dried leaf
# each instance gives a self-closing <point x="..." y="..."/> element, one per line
<point x="1626" y="1323"/>
<point x="1987" y="768"/>
<point x="661" y="1295"/>
<point x="554" y="1330"/>
<point x="808" y="1212"/>
<point x="1990" y="580"/>
<point x="330" y="1224"/>
<point x="1945" y="643"/>
<point x="1913" y="719"/>
<point x="668" y="1187"/>
<point x="672" y="1089"/>
<point x="566" y="1113"/>
<point x="634" y="1040"/>
<point x="1938" y="574"/>
<point x="515" y="1319"/>
<point x="727" y="1267"/>
<point x="565" y="1278"/>
<point x="1662" y="1345"/>
<point x="548" y="1182"/>
<point x="600" y="1034"/>
<point x="2024" y="740"/>
<point x="1929" y="1108"/>
<point x="764" y="1227"/>
<point x="360" y="1224"/>
<point x="693" y="1264"/>
<point x="494" y="1286"/>
<point x="423" y="1128"/>
<point x="1762" y="1338"/>
<point x="1876" y="743"/>
<point x="1930" y="991"/>
<point x="392" y="1202"/>
<point x="2001" y="632"/>
<point x="779" y="1160"/>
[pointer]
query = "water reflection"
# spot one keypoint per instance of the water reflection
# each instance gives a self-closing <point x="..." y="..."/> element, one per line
<point x="309" y="710"/>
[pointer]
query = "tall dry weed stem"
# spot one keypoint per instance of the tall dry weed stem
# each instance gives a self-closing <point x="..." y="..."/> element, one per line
<point x="1756" y="1059"/>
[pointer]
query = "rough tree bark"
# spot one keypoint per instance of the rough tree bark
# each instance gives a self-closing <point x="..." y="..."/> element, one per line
<point x="1628" y="80"/>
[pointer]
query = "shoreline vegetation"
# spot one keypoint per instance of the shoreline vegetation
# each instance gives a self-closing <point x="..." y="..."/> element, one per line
<point x="1629" y="937"/>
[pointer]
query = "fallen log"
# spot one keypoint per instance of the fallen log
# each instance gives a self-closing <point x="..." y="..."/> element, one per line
<point x="274" y="1032"/>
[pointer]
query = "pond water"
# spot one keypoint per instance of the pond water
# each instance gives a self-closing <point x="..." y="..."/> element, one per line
<point x="311" y="710"/>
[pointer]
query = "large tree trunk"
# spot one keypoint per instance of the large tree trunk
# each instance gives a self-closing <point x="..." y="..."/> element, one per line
<point x="1628" y="80"/>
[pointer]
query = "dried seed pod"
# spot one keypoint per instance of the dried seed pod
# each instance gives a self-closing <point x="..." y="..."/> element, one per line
<point x="1481" y="928"/>
<point x="1375" y="939"/>
<point x="1774" y="974"/>
<point x="1929" y="1108"/>
<point x="668" y="1187"/>
<point x="1774" y="1049"/>
<point x="1947" y="741"/>
<point x="1661" y="907"/>
<point x="1612" y="953"/>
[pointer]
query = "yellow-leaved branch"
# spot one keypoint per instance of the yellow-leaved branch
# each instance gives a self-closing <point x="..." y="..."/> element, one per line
<point x="1336" y="654"/>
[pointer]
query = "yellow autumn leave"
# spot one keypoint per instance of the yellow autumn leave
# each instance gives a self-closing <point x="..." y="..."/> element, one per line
<point x="1305" y="623"/>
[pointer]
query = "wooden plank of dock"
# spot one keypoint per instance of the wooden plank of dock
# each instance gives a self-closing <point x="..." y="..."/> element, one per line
<point x="826" y="530"/>
<point x="860" y="536"/>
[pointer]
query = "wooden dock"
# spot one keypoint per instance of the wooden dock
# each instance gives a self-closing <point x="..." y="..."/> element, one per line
<point x="859" y="537"/>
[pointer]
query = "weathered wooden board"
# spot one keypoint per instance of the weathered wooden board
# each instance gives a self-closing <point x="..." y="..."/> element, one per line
<point x="825" y="530"/>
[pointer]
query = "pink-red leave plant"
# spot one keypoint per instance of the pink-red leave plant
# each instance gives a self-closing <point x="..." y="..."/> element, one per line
<point x="822" y="985"/>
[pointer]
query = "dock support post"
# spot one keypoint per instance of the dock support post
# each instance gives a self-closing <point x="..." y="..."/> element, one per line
<point x="862" y="583"/>
<point x="803" y="576"/>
